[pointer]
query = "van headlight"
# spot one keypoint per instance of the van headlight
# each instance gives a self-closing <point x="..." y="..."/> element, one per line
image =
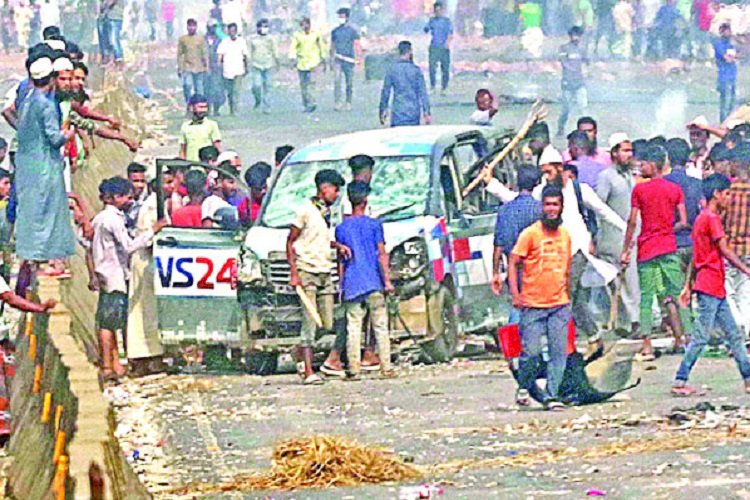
<point x="249" y="271"/>
<point x="408" y="260"/>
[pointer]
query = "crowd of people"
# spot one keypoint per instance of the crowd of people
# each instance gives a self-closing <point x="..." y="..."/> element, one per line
<point x="670" y="215"/>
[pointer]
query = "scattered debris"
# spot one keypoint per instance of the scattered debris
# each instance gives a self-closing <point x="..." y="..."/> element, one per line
<point x="318" y="462"/>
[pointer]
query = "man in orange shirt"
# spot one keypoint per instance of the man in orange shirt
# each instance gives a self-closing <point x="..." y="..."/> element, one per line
<point x="544" y="251"/>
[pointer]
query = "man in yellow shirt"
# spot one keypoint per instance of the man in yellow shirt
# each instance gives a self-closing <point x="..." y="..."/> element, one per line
<point x="192" y="61"/>
<point x="308" y="48"/>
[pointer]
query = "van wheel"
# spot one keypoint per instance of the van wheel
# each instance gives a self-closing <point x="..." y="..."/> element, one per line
<point x="442" y="326"/>
<point x="261" y="363"/>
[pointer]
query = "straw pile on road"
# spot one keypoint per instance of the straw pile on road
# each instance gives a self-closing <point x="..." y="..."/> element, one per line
<point x="319" y="462"/>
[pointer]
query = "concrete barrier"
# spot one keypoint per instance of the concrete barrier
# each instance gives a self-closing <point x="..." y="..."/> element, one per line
<point x="63" y="427"/>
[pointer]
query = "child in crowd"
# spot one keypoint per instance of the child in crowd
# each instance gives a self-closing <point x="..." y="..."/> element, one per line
<point x="112" y="247"/>
<point x="706" y="278"/>
<point x="365" y="279"/>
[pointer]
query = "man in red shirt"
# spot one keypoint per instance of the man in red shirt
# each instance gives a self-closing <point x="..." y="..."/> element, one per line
<point x="656" y="202"/>
<point x="256" y="179"/>
<point x="190" y="215"/>
<point x="710" y="248"/>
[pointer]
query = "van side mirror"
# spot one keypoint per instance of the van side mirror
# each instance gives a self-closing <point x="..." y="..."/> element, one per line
<point x="227" y="218"/>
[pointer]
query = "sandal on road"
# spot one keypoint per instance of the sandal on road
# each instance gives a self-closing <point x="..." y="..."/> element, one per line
<point x="313" y="379"/>
<point x="523" y="398"/>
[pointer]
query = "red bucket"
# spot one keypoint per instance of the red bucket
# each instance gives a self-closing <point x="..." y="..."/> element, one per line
<point x="510" y="339"/>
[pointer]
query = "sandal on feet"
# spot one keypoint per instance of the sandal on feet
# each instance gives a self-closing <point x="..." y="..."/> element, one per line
<point x="554" y="406"/>
<point x="333" y="372"/>
<point x="313" y="379"/>
<point x="645" y="357"/>
<point x="523" y="398"/>
<point x="685" y="391"/>
<point x="371" y="367"/>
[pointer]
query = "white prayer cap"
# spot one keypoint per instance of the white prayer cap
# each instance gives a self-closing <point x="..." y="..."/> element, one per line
<point x="55" y="44"/>
<point x="550" y="155"/>
<point x="62" y="64"/>
<point x="226" y="156"/>
<point x="618" y="138"/>
<point x="698" y="121"/>
<point x="41" y="68"/>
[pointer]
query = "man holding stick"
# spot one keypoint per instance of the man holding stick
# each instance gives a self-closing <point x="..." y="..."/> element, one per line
<point x="309" y="250"/>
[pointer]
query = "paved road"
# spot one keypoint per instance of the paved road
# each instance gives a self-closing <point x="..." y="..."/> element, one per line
<point x="214" y="427"/>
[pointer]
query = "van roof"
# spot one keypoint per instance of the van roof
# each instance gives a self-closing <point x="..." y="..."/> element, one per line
<point x="396" y="141"/>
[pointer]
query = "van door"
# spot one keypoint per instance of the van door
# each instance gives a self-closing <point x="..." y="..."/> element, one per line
<point x="195" y="285"/>
<point x="195" y="282"/>
<point x="473" y="246"/>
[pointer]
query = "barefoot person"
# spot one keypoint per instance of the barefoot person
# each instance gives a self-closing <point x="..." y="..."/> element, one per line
<point x="112" y="247"/>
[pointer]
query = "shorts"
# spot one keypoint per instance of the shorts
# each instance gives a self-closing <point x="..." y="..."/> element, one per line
<point x="112" y="311"/>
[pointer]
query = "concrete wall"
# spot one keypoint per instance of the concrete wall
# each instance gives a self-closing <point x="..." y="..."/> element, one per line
<point x="66" y="351"/>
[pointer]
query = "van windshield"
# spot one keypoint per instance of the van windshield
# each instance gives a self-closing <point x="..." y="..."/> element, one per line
<point x="399" y="188"/>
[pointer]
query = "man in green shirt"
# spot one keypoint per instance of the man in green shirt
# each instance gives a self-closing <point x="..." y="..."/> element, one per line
<point x="263" y="57"/>
<point x="309" y="49"/>
<point x="198" y="132"/>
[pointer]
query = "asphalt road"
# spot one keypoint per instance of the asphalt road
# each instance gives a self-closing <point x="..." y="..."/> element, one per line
<point x="214" y="427"/>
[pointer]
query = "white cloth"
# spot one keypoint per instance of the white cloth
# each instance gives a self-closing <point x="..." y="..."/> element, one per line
<point x="234" y="53"/>
<point x="231" y="12"/>
<point x="4" y="288"/>
<point x="211" y="204"/>
<point x="112" y="247"/>
<point x="572" y="218"/>
<point x="143" y="325"/>
<point x="479" y="117"/>
<point x="49" y="13"/>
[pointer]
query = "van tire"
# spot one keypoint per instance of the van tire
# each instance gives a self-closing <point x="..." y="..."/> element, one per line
<point x="442" y="326"/>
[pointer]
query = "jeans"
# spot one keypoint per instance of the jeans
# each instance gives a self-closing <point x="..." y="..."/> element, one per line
<point x="355" y="317"/>
<point x="572" y="100"/>
<point x="580" y="297"/>
<point x="320" y="290"/>
<point x="115" y="28"/>
<point x="440" y="56"/>
<point x="102" y="31"/>
<point x="233" y="87"/>
<point x="553" y="324"/>
<point x="305" y="85"/>
<point x="170" y="29"/>
<point x="660" y="274"/>
<point x="192" y="83"/>
<point x="737" y="284"/>
<point x="714" y="311"/>
<point x="262" y="88"/>
<point x="342" y="70"/>
<point x="726" y="98"/>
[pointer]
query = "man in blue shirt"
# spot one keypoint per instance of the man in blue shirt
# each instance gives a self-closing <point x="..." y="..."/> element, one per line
<point x="512" y="219"/>
<point x="345" y="51"/>
<point x="726" y="62"/>
<point x="364" y="279"/>
<point x="405" y="80"/>
<point x="441" y="29"/>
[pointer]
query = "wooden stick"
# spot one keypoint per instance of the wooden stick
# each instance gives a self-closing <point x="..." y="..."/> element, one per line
<point x="537" y="113"/>
<point x="309" y="306"/>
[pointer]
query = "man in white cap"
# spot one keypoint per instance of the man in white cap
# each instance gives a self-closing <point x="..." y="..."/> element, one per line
<point x="43" y="230"/>
<point x="615" y="187"/>
<point x="577" y="198"/>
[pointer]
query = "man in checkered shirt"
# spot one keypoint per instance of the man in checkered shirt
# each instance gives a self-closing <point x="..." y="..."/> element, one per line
<point x="737" y="226"/>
